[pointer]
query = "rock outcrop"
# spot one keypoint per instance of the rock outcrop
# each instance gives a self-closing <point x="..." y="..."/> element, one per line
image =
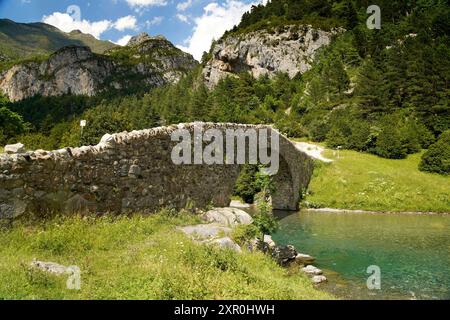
<point x="289" y="49"/>
<point x="151" y="61"/>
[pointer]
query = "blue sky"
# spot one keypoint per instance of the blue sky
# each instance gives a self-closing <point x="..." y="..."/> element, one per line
<point x="189" y="24"/>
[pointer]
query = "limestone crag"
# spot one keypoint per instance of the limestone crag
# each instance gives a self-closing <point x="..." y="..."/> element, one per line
<point x="151" y="61"/>
<point x="289" y="49"/>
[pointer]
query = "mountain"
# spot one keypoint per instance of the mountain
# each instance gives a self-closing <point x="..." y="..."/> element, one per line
<point x="145" y="62"/>
<point x="25" y="40"/>
<point x="287" y="49"/>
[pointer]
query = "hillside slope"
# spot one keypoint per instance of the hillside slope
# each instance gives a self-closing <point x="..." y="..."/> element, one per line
<point x="25" y="40"/>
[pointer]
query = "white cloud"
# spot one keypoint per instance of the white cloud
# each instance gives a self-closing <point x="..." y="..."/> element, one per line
<point x="154" y="22"/>
<point x="182" y="17"/>
<point x="216" y="19"/>
<point x="67" y="23"/>
<point x="146" y="3"/>
<point x="124" y="40"/>
<point x="128" y="22"/>
<point x="182" y="6"/>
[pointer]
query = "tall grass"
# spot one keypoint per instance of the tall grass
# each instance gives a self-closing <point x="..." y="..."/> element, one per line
<point x="138" y="257"/>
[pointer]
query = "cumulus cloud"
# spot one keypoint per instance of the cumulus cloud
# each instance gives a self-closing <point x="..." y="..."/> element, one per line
<point x="182" y="6"/>
<point x="215" y="20"/>
<point x="146" y="3"/>
<point x="182" y="18"/>
<point x="154" y="22"/>
<point x="128" y="22"/>
<point x="67" y="23"/>
<point x="124" y="40"/>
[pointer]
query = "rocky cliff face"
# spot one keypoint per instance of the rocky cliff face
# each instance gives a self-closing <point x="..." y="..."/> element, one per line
<point x="289" y="49"/>
<point x="77" y="70"/>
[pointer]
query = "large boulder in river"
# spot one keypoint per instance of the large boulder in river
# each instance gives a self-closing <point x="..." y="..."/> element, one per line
<point x="230" y="217"/>
<point x="284" y="255"/>
<point x="304" y="259"/>
<point x="312" y="270"/>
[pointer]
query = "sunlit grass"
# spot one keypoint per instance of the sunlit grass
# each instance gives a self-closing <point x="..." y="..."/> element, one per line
<point x="363" y="181"/>
<point x="139" y="257"/>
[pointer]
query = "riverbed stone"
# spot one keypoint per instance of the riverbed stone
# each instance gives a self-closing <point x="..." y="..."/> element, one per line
<point x="312" y="270"/>
<point x="318" y="279"/>
<point x="304" y="259"/>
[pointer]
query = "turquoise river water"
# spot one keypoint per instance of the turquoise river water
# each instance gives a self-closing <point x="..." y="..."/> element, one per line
<point x="412" y="252"/>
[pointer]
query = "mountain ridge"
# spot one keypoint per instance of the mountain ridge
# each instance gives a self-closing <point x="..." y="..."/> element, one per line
<point x="25" y="40"/>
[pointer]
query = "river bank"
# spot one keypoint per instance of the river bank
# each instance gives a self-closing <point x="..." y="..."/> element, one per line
<point x="364" y="182"/>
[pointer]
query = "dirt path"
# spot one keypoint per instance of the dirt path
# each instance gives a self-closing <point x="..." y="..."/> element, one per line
<point x="312" y="150"/>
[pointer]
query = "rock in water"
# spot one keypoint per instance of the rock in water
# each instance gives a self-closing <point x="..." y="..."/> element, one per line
<point x="284" y="254"/>
<point x="312" y="270"/>
<point x="14" y="148"/>
<point x="304" y="259"/>
<point x="318" y="279"/>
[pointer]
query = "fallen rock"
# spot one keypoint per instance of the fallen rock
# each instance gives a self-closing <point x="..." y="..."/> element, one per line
<point x="205" y="231"/>
<point x="226" y="243"/>
<point x="258" y="245"/>
<point x="311" y="270"/>
<point x="304" y="259"/>
<point x="14" y="148"/>
<point x="51" y="267"/>
<point x="284" y="254"/>
<point x="230" y="217"/>
<point x="319" y="279"/>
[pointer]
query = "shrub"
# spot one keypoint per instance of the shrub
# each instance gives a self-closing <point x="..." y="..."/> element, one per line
<point x="437" y="158"/>
<point x="390" y="143"/>
<point x="246" y="185"/>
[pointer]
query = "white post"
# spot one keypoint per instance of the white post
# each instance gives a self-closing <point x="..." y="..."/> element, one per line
<point x="82" y="125"/>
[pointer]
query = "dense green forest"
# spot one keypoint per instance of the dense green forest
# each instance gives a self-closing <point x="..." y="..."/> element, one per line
<point x="384" y="91"/>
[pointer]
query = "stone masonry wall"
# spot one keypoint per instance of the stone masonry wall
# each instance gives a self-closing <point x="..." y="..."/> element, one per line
<point x="132" y="172"/>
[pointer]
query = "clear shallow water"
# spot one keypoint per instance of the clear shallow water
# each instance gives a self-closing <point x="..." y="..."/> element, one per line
<point x="412" y="251"/>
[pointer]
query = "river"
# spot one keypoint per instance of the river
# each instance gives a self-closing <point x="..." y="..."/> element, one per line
<point x="411" y="251"/>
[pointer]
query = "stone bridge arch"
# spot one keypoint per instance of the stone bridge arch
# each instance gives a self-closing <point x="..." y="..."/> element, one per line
<point x="134" y="172"/>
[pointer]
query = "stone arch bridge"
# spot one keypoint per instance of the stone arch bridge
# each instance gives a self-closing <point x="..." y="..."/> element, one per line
<point x="134" y="172"/>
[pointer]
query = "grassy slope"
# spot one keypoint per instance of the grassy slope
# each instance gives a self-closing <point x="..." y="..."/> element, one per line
<point x="138" y="258"/>
<point x="364" y="181"/>
<point x="19" y="41"/>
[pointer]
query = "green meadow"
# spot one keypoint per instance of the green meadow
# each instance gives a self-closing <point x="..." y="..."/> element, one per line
<point x="363" y="181"/>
